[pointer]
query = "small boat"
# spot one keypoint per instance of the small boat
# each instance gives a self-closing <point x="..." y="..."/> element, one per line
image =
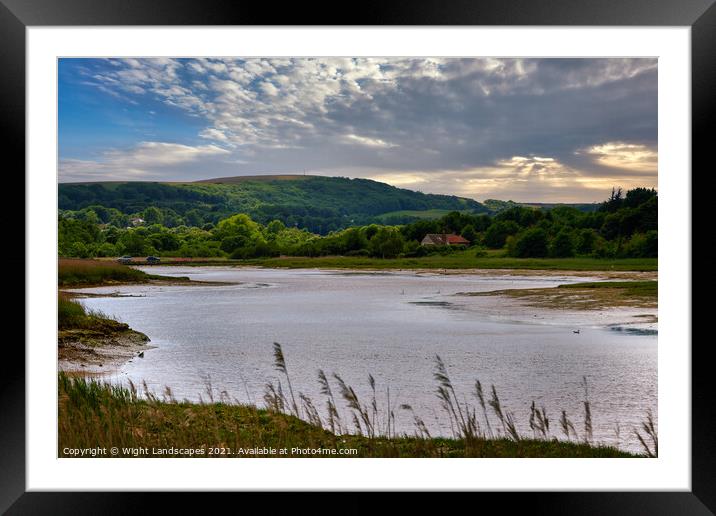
<point x="575" y="331"/>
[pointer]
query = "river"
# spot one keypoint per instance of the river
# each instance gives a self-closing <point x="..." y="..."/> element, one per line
<point x="391" y="325"/>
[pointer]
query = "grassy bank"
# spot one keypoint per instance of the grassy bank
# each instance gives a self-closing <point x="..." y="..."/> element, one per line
<point x="456" y="260"/>
<point x="93" y="415"/>
<point x="75" y="272"/>
<point x="586" y="295"/>
<point x="73" y="316"/>
<point x="464" y="260"/>
<point x="627" y="289"/>
<point x="92" y="340"/>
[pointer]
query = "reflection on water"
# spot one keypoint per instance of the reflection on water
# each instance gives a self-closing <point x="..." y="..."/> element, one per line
<point x="432" y="303"/>
<point x="391" y="325"/>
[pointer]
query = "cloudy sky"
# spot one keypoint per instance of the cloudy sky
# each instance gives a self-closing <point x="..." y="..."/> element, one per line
<point x="536" y="130"/>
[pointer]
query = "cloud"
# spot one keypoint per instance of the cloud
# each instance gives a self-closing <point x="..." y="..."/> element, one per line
<point x="625" y="156"/>
<point x="519" y="178"/>
<point x="145" y="161"/>
<point x="412" y="117"/>
<point x="368" y="142"/>
<point x="213" y="134"/>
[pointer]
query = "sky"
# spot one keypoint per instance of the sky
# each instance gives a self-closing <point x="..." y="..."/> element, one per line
<point x="528" y="130"/>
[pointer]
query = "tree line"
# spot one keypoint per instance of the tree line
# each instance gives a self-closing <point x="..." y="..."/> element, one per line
<point x="319" y="204"/>
<point x="625" y="225"/>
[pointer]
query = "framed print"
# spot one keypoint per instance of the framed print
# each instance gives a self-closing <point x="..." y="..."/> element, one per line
<point x="419" y="253"/>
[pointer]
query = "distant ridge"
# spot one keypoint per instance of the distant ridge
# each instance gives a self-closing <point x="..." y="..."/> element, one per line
<point x="320" y="204"/>
<point x="267" y="177"/>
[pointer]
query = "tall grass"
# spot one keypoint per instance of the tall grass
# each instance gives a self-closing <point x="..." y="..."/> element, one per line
<point x="71" y="315"/>
<point x="94" y="414"/>
<point x="650" y="442"/>
<point x="461" y="416"/>
<point x="76" y="272"/>
<point x="460" y="260"/>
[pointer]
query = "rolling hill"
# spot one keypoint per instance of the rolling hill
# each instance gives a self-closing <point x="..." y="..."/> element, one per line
<point x="317" y="203"/>
<point x="497" y="206"/>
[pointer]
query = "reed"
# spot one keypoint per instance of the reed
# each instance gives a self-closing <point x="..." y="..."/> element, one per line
<point x="78" y="272"/>
<point x="96" y="414"/>
<point x="651" y="448"/>
<point x="280" y="364"/>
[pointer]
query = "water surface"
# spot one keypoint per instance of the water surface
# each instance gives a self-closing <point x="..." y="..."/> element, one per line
<point x="391" y="325"/>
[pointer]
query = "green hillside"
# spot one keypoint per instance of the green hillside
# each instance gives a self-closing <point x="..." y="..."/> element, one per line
<point x="497" y="206"/>
<point x="319" y="204"/>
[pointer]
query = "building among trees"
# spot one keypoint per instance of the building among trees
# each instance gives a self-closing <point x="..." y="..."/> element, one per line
<point x="444" y="239"/>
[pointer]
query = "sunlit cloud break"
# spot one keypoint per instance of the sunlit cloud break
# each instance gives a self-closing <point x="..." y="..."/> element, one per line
<point x="625" y="156"/>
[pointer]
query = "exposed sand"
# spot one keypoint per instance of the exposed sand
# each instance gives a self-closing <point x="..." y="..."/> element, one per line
<point x="622" y="275"/>
<point x="572" y="298"/>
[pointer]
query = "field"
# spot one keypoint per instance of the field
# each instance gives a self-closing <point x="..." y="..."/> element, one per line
<point x="493" y="259"/>
<point x="461" y="260"/>
<point x="418" y="214"/>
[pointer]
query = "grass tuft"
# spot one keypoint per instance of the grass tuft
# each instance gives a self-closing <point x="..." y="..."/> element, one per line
<point x="77" y="272"/>
<point x="94" y="414"/>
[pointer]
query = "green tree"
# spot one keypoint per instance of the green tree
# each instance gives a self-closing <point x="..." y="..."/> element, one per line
<point x="106" y="249"/>
<point x="71" y="231"/>
<point x="153" y="215"/>
<point x="469" y="233"/>
<point x="79" y="250"/>
<point x="638" y="196"/>
<point x="586" y="239"/>
<point x="497" y="233"/>
<point x="354" y="240"/>
<point x="237" y="232"/>
<point x="275" y="226"/>
<point x="388" y="242"/>
<point x="563" y="244"/>
<point x="531" y="244"/>
<point x="135" y="243"/>
<point x="193" y="218"/>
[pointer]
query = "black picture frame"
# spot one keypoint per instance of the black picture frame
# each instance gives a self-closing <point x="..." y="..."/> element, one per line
<point x="17" y="15"/>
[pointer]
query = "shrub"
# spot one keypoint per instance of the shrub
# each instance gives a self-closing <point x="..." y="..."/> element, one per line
<point x="562" y="245"/>
<point x="106" y="249"/>
<point x="496" y="235"/>
<point x="585" y="241"/>
<point x="605" y="249"/>
<point x="531" y="244"/>
<point x="387" y="243"/>
<point x="641" y="245"/>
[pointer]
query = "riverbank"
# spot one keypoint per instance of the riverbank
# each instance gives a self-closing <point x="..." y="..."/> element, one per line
<point x="458" y="260"/>
<point x="464" y="260"/>
<point x="584" y="296"/>
<point x="75" y="272"/>
<point x="81" y="273"/>
<point x="91" y="343"/>
<point x="94" y="415"/>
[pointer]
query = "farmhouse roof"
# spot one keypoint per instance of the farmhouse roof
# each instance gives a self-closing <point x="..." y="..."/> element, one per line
<point x="444" y="239"/>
